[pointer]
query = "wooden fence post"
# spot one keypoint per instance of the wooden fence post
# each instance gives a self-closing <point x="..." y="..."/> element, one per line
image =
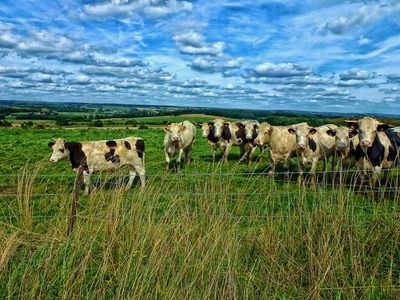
<point x="75" y="199"/>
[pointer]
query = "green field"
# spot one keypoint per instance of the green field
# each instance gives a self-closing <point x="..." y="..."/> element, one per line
<point x="214" y="232"/>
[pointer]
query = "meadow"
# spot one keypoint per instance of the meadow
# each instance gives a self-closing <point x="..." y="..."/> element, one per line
<point x="214" y="232"/>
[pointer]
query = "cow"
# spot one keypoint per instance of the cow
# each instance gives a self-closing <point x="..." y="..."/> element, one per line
<point x="230" y="134"/>
<point x="96" y="156"/>
<point x="375" y="148"/>
<point x="282" y="144"/>
<point x="208" y="132"/>
<point x="179" y="138"/>
<point x="346" y="141"/>
<point x="312" y="145"/>
<point x="251" y="129"/>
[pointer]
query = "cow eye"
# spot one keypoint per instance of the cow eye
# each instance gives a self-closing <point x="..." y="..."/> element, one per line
<point x="61" y="150"/>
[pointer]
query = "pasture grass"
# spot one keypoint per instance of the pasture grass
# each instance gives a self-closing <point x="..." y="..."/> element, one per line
<point x="215" y="232"/>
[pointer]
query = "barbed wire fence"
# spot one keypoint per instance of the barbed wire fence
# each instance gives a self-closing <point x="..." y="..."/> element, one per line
<point x="323" y="188"/>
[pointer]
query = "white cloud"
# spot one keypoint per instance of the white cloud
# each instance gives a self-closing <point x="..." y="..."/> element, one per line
<point x="280" y="70"/>
<point x="105" y="88"/>
<point x="149" y="8"/>
<point x="355" y="74"/>
<point x="367" y="14"/>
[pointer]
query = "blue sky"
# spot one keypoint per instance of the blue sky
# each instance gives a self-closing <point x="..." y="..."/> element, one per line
<point x="312" y="55"/>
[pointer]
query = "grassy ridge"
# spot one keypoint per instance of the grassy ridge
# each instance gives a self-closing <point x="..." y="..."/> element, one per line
<point x="216" y="232"/>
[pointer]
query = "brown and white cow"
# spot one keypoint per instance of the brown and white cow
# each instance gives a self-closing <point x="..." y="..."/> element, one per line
<point x="230" y="134"/>
<point x="97" y="156"/>
<point x="375" y="148"/>
<point x="312" y="144"/>
<point x="179" y="138"/>
<point x="251" y="129"/>
<point x="282" y="144"/>
<point x="208" y="132"/>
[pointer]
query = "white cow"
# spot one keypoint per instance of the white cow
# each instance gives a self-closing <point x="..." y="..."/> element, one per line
<point x="179" y="138"/>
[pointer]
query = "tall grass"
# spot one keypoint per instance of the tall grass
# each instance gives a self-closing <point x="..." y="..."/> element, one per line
<point x="212" y="237"/>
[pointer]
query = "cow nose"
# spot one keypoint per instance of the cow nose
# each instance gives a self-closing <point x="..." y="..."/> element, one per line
<point x="258" y="142"/>
<point x="248" y="137"/>
<point x="340" y="146"/>
<point x="366" y="143"/>
<point x="175" y="138"/>
<point x="52" y="160"/>
<point x="301" y="146"/>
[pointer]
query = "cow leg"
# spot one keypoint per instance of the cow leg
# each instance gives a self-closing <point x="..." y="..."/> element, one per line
<point x="167" y="160"/>
<point x="260" y="156"/>
<point x="142" y="175"/>
<point x="86" y="182"/>
<point x="272" y="165"/>
<point x="178" y="161"/>
<point x="251" y="154"/>
<point x="286" y="167"/>
<point x="132" y="175"/>
<point x="243" y="153"/>
<point x="313" y="171"/>
<point x="188" y="154"/>
<point x="226" y="152"/>
<point x="213" y="151"/>
<point x="301" y="172"/>
<point x="375" y="176"/>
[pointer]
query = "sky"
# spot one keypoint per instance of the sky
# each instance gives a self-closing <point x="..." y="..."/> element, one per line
<point x="310" y="55"/>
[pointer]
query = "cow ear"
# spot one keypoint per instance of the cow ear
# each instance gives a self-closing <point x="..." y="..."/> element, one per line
<point x="352" y="124"/>
<point x="211" y="123"/>
<point x="331" y="132"/>
<point x="312" y="131"/>
<point x="167" y="129"/>
<point x="255" y="126"/>
<point x="226" y="124"/>
<point x="51" y="144"/>
<point x="383" y="126"/>
<point x="182" y="128"/>
<point x="353" y="133"/>
<point x="291" y="130"/>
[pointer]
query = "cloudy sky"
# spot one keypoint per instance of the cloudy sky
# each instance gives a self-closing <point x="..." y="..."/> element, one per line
<point x="313" y="55"/>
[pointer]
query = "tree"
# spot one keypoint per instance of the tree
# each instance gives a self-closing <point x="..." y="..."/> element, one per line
<point x="97" y="123"/>
<point x="132" y="122"/>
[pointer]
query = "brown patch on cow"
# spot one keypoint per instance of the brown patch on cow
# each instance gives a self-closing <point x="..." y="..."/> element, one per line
<point x="111" y="144"/>
<point x="140" y="147"/>
<point x="241" y="134"/>
<point x="51" y="144"/>
<point x="312" y="144"/>
<point x="331" y="132"/>
<point x="111" y="156"/>
<point x="226" y="132"/>
<point x="76" y="155"/>
<point x="127" y="145"/>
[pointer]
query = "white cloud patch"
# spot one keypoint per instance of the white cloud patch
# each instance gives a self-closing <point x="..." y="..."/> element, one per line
<point x="126" y="8"/>
<point x="213" y="64"/>
<point x="356" y="74"/>
<point x="281" y="70"/>
<point x="366" y="15"/>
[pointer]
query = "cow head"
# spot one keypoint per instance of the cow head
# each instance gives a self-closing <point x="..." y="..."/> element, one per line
<point x="251" y="129"/>
<point x="174" y="130"/>
<point x="302" y="132"/>
<point x="60" y="150"/>
<point x="264" y="133"/>
<point x="367" y="128"/>
<point x="205" y="127"/>
<point x="218" y="125"/>
<point x="342" y="136"/>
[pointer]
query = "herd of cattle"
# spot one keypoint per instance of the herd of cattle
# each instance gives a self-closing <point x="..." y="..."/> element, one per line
<point x="365" y="144"/>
